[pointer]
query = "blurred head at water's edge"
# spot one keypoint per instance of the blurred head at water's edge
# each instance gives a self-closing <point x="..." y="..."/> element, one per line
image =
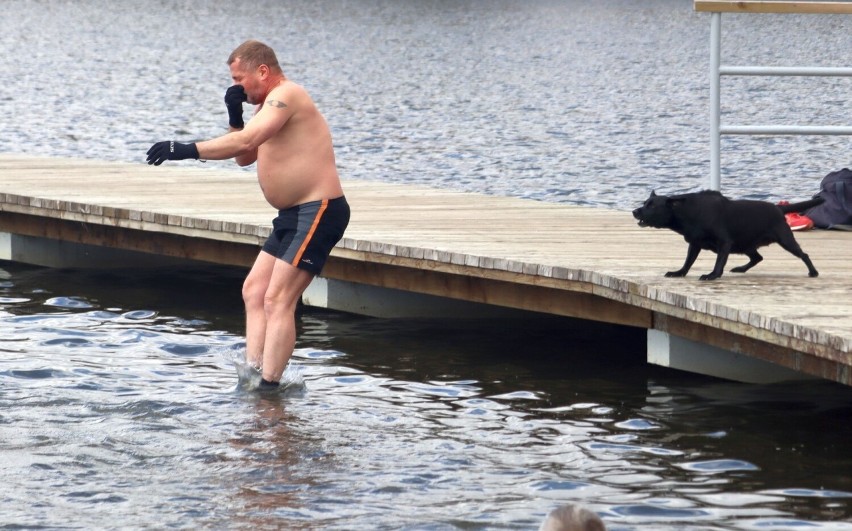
<point x="572" y="518"/>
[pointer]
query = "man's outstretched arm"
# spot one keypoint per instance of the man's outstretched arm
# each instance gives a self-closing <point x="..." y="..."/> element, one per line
<point x="240" y="144"/>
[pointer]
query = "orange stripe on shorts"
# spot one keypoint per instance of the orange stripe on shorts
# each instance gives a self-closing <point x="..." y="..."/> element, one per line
<point x="310" y="235"/>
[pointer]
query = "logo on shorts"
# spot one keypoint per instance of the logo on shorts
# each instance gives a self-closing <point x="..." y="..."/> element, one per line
<point x="307" y="261"/>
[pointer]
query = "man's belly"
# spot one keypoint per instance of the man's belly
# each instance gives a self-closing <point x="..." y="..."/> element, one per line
<point x="287" y="190"/>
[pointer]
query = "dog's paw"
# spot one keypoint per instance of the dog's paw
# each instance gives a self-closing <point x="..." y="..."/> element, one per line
<point x="739" y="269"/>
<point x="709" y="276"/>
<point x="813" y="274"/>
<point x="676" y="274"/>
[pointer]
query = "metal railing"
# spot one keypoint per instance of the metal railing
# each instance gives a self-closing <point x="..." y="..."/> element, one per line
<point x="716" y="8"/>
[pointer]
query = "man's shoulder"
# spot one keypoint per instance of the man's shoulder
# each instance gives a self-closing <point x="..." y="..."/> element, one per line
<point x="290" y="87"/>
<point x="292" y="94"/>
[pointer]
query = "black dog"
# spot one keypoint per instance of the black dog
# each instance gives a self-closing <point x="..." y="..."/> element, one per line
<point x="709" y="220"/>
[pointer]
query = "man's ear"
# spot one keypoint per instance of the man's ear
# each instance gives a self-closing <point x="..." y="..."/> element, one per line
<point x="263" y="70"/>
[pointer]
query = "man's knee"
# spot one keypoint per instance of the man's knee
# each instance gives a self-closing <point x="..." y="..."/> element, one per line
<point x="277" y="303"/>
<point x="257" y="281"/>
<point x="287" y="284"/>
<point x="253" y="293"/>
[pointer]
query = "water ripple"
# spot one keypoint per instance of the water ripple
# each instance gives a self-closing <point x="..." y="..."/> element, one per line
<point x="140" y="315"/>
<point x="13" y="300"/>
<point x="637" y="424"/>
<point x="811" y="493"/>
<point x="68" y="302"/>
<point x="717" y="466"/>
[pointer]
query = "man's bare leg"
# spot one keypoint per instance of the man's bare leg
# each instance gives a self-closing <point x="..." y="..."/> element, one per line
<point x="254" y="291"/>
<point x="285" y="288"/>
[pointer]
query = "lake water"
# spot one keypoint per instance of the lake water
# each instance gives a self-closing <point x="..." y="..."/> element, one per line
<point x="591" y="103"/>
<point x="121" y="404"/>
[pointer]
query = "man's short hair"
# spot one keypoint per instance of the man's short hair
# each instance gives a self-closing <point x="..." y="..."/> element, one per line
<point x="254" y="53"/>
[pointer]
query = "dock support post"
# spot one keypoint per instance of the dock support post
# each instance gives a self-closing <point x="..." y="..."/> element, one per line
<point x="679" y="353"/>
<point x="375" y="301"/>
<point x="5" y="246"/>
<point x="46" y="252"/>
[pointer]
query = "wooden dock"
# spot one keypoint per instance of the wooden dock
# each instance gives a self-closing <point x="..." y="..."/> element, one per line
<point x="587" y="263"/>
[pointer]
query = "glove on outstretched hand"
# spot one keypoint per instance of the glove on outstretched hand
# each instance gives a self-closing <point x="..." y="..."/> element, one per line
<point x="234" y="98"/>
<point x="171" y="150"/>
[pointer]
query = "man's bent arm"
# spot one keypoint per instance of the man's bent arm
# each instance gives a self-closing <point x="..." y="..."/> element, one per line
<point x="247" y="158"/>
<point x="243" y="144"/>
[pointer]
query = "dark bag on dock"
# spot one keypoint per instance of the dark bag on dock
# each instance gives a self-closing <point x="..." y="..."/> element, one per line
<point x="836" y="189"/>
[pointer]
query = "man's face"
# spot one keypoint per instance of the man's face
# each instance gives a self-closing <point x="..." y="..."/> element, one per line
<point x="249" y="79"/>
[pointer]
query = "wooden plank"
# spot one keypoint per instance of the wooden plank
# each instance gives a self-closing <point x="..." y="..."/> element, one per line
<point x="568" y="260"/>
<point x="822" y="8"/>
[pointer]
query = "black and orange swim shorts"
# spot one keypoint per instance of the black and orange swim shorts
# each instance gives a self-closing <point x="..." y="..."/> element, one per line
<point x="304" y="235"/>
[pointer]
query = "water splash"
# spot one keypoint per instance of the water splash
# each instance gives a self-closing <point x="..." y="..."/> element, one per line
<point x="249" y="376"/>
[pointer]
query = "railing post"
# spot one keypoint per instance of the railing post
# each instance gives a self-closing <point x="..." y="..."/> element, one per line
<point x="715" y="100"/>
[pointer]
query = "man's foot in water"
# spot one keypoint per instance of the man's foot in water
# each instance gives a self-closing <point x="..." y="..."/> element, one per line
<point x="266" y="385"/>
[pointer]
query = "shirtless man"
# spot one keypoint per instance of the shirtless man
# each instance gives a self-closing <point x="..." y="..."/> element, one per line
<point x="291" y="143"/>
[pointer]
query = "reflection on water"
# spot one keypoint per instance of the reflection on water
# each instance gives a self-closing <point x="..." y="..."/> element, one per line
<point x="126" y="405"/>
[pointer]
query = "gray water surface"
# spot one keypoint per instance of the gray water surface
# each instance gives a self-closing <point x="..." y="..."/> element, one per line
<point x="589" y="103"/>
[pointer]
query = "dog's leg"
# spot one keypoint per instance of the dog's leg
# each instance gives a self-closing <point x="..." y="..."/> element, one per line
<point x="812" y="272"/>
<point x="691" y="255"/>
<point x="754" y="259"/>
<point x="789" y="243"/>
<point x="721" y="260"/>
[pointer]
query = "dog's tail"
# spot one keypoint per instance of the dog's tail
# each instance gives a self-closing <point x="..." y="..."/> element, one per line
<point x="801" y="207"/>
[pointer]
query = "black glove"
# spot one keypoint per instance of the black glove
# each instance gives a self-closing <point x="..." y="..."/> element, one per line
<point x="171" y="150"/>
<point x="234" y="98"/>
